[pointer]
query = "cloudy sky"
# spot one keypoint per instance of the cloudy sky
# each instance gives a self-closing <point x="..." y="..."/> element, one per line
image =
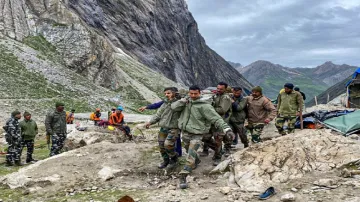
<point x="294" y="33"/>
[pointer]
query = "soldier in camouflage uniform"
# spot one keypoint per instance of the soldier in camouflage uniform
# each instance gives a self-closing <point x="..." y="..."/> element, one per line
<point x="29" y="130"/>
<point x="222" y="105"/>
<point x="195" y="120"/>
<point x="169" y="132"/>
<point x="55" y="124"/>
<point x="260" y="112"/>
<point x="13" y="138"/>
<point x="238" y="116"/>
<point x="290" y="103"/>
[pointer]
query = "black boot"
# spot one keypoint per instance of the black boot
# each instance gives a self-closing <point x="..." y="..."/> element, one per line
<point x="9" y="163"/>
<point x="216" y="161"/>
<point x="227" y="152"/>
<point x="164" y="163"/>
<point x="197" y="162"/>
<point x="18" y="163"/>
<point x="205" y="152"/>
<point x="246" y="145"/>
<point x="183" y="184"/>
<point x="173" y="162"/>
<point x="29" y="159"/>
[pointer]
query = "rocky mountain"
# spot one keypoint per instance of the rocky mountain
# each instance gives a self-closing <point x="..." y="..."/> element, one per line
<point x="236" y="65"/>
<point x="93" y="53"/>
<point x="329" y="72"/>
<point x="312" y="81"/>
<point x="160" y="34"/>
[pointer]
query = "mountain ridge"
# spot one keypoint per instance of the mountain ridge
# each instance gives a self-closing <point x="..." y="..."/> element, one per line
<point x="312" y="81"/>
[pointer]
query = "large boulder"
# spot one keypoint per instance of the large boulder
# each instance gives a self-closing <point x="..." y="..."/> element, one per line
<point x="291" y="157"/>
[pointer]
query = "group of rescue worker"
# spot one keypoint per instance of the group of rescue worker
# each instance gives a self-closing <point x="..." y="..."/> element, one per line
<point x="20" y="134"/>
<point x="210" y="123"/>
<point x="218" y="121"/>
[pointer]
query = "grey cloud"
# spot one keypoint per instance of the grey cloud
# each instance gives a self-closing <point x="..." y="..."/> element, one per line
<point x="289" y="32"/>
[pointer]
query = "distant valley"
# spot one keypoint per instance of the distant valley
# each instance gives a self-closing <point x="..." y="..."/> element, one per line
<point x="312" y="81"/>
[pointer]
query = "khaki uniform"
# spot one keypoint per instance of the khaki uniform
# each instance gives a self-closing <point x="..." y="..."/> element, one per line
<point x="168" y="121"/>
<point x="238" y="117"/>
<point x="55" y="124"/>
<point x="288" y="106"/>
<point x="195" y="120"/>
<point x="259" y="109"/>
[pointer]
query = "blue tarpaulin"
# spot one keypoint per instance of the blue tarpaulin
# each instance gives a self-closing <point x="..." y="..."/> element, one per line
<point x="354" y="76"/>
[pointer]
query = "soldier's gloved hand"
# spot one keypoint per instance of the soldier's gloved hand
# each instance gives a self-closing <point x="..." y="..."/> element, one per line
<point x="229" y="133"/>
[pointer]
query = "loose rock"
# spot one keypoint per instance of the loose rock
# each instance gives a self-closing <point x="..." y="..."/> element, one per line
<point x="288" y="197"/>
<point x="225" y="190"/>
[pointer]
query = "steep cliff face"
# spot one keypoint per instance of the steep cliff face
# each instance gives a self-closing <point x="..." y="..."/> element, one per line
<point x="80" y="47"/>
<point x="94" y="37"/>
<point x="162" y="35"/>
<point x="49" y="53"/>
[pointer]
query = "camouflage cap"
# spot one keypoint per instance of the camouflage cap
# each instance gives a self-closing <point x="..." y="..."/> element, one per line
<point x="257" y="89"/>
<point x="58" y="104"/>
<point x="16" y="112"/>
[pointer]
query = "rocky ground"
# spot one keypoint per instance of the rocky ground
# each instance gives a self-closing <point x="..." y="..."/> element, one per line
<point x="312" y="165"/>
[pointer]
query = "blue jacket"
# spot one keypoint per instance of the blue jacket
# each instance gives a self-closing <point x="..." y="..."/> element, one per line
<point x="155" y="105"/>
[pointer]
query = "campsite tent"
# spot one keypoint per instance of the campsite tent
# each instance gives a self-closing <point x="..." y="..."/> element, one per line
<point x="346" y="124"/>
<point x="353" y="90"/>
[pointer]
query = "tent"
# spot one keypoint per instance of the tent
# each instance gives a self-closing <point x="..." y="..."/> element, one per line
<point x="346" y="124"/>
<point x="353" y="90"/>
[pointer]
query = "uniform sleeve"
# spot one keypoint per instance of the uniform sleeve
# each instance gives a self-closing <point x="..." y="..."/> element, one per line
<point x="300" y="101"/>
<point x="214" y="118"/>
<point x="268" y="106"/>
<point x="48" y="120"/>
<point x="12" y="129"/>
<point x="22" y="127"/>
<point x="224" y="106"/>
<point x="278" y="102"/>
<point x="178" y="106"/>
<point x="36" y="128"/>
<point x="156" y="118"/>
<point x="240" y="106"/>
<point x="156" y="105"/>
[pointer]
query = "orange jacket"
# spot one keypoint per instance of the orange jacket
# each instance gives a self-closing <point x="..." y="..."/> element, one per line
<point x="116" y="119"/>
<point x="69" y="117"/>
<point x="93" y="117"/>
